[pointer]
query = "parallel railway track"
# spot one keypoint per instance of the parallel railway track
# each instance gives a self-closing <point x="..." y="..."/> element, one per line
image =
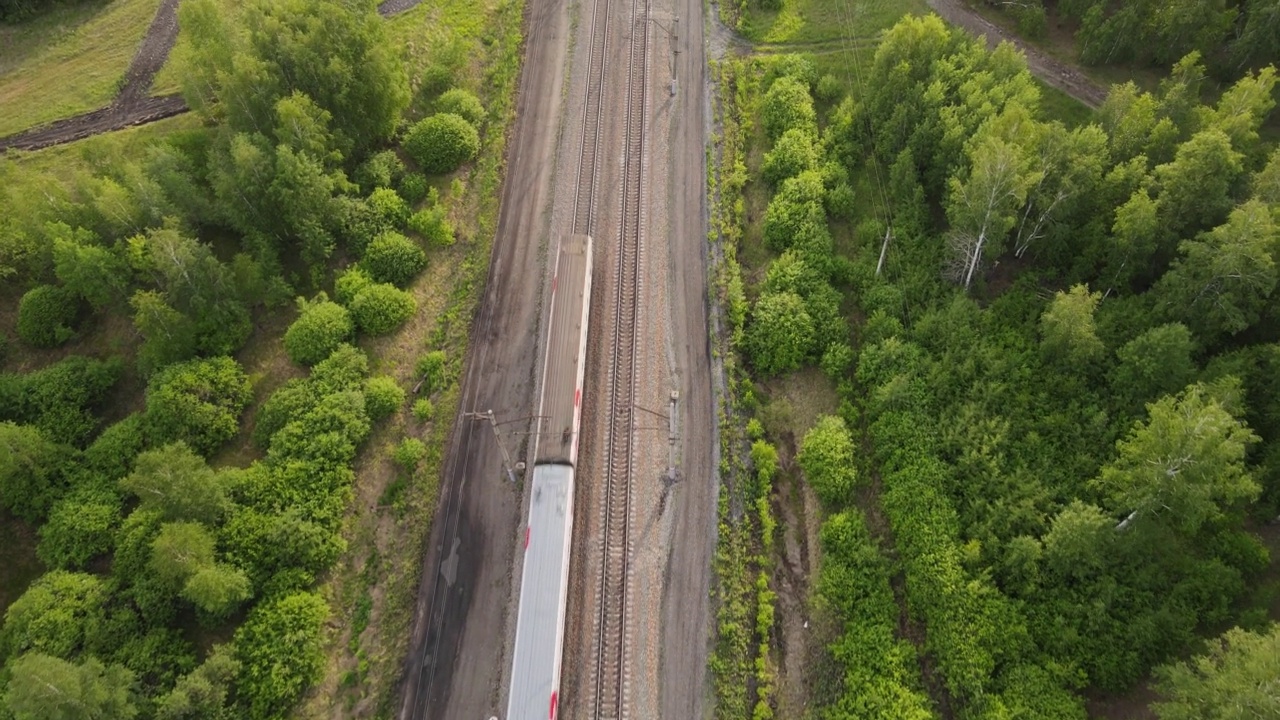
<point x="611" y="675"/>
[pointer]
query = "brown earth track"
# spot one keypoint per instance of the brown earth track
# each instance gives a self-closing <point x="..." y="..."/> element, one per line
<point x="133" y="106"/>
<point x="1053" y="72"/>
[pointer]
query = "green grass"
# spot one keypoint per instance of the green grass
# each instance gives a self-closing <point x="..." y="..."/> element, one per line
<point x="68" y="62"/>
<point x="1057" y="105"/>
<point x="816" y="21"/>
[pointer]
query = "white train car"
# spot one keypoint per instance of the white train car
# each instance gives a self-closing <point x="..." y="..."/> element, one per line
<point x="544" y="583"/>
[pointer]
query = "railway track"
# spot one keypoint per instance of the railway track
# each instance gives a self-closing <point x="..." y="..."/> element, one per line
<point x="610" y="685"/>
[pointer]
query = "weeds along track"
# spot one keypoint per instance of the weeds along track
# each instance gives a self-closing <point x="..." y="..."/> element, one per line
<point x="611" y="667"/>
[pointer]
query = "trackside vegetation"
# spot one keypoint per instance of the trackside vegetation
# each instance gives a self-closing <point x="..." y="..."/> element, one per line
<point x="193" y="385"/>
<point x="1050" y="472"/>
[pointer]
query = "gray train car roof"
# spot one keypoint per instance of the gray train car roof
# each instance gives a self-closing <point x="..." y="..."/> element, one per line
<point x="544" y="588"/>
<point x="560" y="407"/>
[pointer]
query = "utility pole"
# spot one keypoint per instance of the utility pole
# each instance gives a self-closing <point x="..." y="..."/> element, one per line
<point x="506" y="458"/>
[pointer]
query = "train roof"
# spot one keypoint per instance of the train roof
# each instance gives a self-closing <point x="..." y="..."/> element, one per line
<point x="561" y="403"/>
<point x="544" y="587"/>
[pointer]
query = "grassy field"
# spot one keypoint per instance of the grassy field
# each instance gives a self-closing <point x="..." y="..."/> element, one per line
<point x="817" y="21"/>
<point x="69" y="61"/>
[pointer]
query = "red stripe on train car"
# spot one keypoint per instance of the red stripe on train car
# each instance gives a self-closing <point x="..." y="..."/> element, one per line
<point x="552" y="716"/>
<point x="577" y="397"/>
<point x="526" y="538"/>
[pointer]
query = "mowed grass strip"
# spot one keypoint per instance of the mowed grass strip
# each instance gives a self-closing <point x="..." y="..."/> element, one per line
<point x="814" y="21"/>
<point x="68" y="62"/>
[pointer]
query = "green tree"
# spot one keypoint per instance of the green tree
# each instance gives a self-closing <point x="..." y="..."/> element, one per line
<point x="1258" y="39"/>
<point x="31" y="471"/>
<point x="181" y="550"/>
<point x="203" y="693"/>
<point x="796" y="209"/>
<point x="46" y="315"/>
<point x="1225" y="276"/>
<point x="1067" y="327"/>
<point x="390" y="208"/>
<point x="1184" y="466"/>
<point x="168" y="335"/>
<point x="1157" y="362"/>
<point x="780" y="335"/>
<point x="322" y="326"/>
<point x="381" y="308"/>
<point x="47" y="688"/>
<point x="280" y="650"/>
<point x="826" y="456"/>
<point x="1235" y="680"/>
<point x="93" y="272"/>
<point x="442" y="143"/>
<point x="393" y="258"/>
<point x="217" y="589"/>
<point x="1078" y="542"/>
<point x="179" y="484"/>
<point x="1195" y="188"/>
<point x="59" y="614"/>
<point x="787" y="104"/>
<point x="198" y="402"/>
<point x="382" y="170"/>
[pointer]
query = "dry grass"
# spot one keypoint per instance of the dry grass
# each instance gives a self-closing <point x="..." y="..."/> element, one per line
<point x="68" y="62"/>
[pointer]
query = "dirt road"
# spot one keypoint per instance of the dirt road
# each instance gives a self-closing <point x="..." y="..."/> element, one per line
<point x="1054" y="72"/>
<point x="133" y="105"/>
<point x="457" y="659"/>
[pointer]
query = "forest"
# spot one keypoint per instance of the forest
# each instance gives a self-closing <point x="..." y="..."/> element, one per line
<point x="176" y="587"/>
<point x="1051" y="472"/>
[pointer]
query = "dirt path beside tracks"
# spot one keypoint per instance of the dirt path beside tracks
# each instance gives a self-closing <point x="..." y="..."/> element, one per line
<point x="134" y="105"/>
<point x="1054" y="72"/>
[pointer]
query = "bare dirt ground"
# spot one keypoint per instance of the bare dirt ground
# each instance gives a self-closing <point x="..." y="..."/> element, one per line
<point x="459" y="650"/>
<point x="134" y="106"/>
<point x="1058" y="74"/>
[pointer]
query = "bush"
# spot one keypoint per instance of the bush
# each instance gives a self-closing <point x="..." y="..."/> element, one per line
<point x="430" y="368"/>
<point x="781" y="334"/>
<point x="390" y="209"/>
<point x="841" y="202"/>
<point x="413" y="188"/>
<point x="381" y="170"/>
<point x="198" y="402"/>
<point x="351" y="283"/>
<point x="382" y="397"/>
<point x="826" y="456"/>
<point x="59" y="614"/>
<point x="280" y="649"/>
<point x="45" y="316"/>
<point x="393" y="258"/>
<point x="463" y="104"/>
<point x="829" y="89"/>
<point x="441" y="143"/>
<point x="794" y="153"/>
<point x="786" y="105"/>
<point x="409" y="453"/>
<point x="31" y="470"/>
<point x="112" y="453"/>
<point x="60" y="399"/>
<point x="423" y="410"/>
<point x="381" y="308"/>
<point x="433" y="226"/>
<point x="80" y="528"/>
<point x="322" y="326"/>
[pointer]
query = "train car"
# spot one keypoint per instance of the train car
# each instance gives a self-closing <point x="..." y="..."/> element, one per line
<point x="544" y="582"/>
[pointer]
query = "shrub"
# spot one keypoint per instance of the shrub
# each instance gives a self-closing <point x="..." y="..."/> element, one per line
<point x="409" y="453"/>
<point x="413" y="188"/>
<point x="381" y="170"/>
<point x="358" y="223"/>
<point x="381" y="308"/>
<point x="198" y="401"/>
<point x="430" y="368"/>
<point x="461" y="103"/>
<point x="423" y="410"/>
<point x="791" y="155"/>
<point x="433" y="226"/>
<point x="795" y="66"/>
<point x="390" y="209"/>
<point x="394" y="258"/>
<point x="829" y="89"/>
<point x="280" y="649"/>
<point x="841" y="202"/>
<point x="350" y="284"/>
<point x="80" y="528"/>
<point x="382" y="397"/>
<point x="321" y="327"/>
<point x="31" y="468"/>
<point x="292" y="400"/>
<point x="58" y="614"/>
<point x="45" y="316"/>
<point x="442" y="142"/>
<point x="112" y="453"/>
<point x="781" y="334"/>
<point x="787" y="104"/>
<point x="826" y="456"/>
